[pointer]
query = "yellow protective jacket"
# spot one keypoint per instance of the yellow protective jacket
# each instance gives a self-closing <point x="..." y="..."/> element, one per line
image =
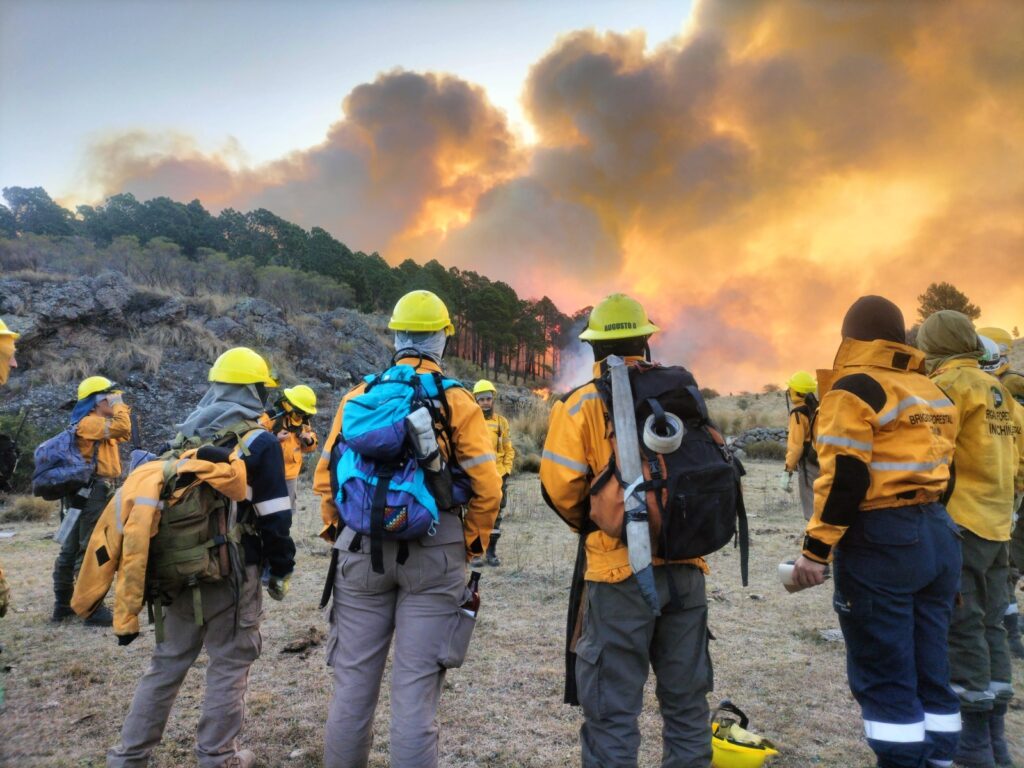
<point x="799" y="433"/>
<point x="989" y="441"/>
<point x="502" y="443"/>
<point x="101" y="434"/>
<point x="473" y="451"/>
<point x="1014" y="382"/>
<point x="578" y="448"/>
<point x="291" y="446"/>
<point x="119" y="544"/>
<point x="885" y="436"/>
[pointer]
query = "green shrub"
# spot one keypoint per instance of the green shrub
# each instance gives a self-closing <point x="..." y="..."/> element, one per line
<point x="766" y="449"/>
<point x="32" y="434"/>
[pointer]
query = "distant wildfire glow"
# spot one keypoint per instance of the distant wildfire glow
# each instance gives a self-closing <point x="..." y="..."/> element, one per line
<point x="746" y="181"/>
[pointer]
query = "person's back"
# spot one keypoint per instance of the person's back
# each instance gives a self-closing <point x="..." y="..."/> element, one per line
<point x="616" y="638"/>
<point x="414" y="599"/>
<point x="231" y="609"/>
<point x="800" y="454"/>
<point x="988" y="472"/>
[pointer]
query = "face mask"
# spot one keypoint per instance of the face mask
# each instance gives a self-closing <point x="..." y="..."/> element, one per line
<point x="488" y="412"/>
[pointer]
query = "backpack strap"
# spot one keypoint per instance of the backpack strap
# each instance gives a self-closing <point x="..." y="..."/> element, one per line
<point x="380" y="501"/>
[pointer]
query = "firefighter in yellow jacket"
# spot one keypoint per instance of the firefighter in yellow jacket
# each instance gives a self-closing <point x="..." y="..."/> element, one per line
<point x="103" y="422"/>
<point x="1014" y="383"/>
<point x="885" y="436"/>
<point x="290" y="422"/>
<point x="988" y="472"/>
<point x="7" y="362"/>
<point x="621" y="639"/>
<point x="486" y="393"/>
<point x="801" y="457"/>
<point x="416" y="602"/>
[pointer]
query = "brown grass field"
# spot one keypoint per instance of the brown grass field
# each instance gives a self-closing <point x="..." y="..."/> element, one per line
<point x="68" y="687"/>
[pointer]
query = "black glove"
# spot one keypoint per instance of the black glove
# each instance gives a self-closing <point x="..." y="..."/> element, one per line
<point x="214" y="454"/>
<point x="126" y="639"/>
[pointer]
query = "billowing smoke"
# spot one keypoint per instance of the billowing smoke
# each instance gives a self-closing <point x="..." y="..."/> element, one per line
<point x="746" y="181"/>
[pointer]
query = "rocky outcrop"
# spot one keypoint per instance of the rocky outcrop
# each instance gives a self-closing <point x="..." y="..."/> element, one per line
<point x="758" y="435"/>
<point x="159" y="346"/>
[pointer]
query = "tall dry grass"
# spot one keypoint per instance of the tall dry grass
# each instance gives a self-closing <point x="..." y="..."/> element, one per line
<point x="529" y="427"/>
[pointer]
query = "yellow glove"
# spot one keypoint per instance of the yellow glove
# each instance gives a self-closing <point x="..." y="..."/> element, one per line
<point x="278" y="586"/>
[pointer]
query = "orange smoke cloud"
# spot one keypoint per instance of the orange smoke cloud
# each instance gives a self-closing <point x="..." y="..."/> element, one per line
<point x="747" y="181"/>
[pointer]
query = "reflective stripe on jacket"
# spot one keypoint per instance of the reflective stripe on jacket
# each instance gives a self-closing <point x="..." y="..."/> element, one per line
<point x="473" y="451"/>
<point x="102" y="434"/>
<point x="885" y="436"/>
<point x="577" y="448"/>
<point x="988" y="445"/>
<point x="502" y="443"/>
<point x="119" y="544"/>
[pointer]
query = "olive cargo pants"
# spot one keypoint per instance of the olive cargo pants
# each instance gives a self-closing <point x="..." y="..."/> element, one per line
<point x="620" y="641"/>
<point x="231" y="654"/>
<point x="416" y="602"/>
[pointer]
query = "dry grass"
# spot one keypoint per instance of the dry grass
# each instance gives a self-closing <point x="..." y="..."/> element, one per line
<point x="737" y="413"/>
<point x="69" y="686"/>
<point x="529" y="428"/>
<point x="26" y="509"/>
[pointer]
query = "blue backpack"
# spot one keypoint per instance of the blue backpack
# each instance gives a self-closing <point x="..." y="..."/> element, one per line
<point x="61" y="469"/>
<point x="378" y="485"/>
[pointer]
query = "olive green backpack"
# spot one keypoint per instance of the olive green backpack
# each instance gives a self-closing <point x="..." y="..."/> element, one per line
<point x="198" y="540"/>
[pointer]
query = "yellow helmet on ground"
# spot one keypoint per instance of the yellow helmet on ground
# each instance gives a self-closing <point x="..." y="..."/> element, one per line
<point x="732" y="745"/>
<point x="802" y="382"/>
<point x="421" y="311"/>
<point x="94" y="385"/>
<point x="999" y="336"/>
<point x="302" y="397"/>
<point x="240" y="365"/>
<point x="5" y="331"/>
<point x="484" y="386"/>
<point x="618" y="317"/>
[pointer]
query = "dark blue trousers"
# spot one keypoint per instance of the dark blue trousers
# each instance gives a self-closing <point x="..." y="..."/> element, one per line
<point x="896" y="577"/>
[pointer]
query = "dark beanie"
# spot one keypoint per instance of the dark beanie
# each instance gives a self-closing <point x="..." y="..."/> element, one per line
<point x="872" y="317"/>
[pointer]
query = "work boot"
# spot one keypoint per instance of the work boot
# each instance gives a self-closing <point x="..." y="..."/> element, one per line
<point x="101" y="617"/>
<point x="1012" y="624"/>
<point x="242" y="759"/>
<point x="62" y="606"/>
<point x="975" y="748"/>
<point x="997" y="732"/>
<point x="492" y="559"/>
<point x="476" y="562"/>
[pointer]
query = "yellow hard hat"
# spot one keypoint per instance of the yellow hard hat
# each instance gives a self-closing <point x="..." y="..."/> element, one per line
<point x="94" y="385"/>
<point x="302" y="397"/>
<point x="999" y="336"/>
<point x="802" y="382"/>
<point x="732" y="745"/>
<point x="618" y="317"/>
<point x="240" y="365"/>
<point x="421" y="311"/>
<point x="484" y="386"/>
<point x="5" y="331"/>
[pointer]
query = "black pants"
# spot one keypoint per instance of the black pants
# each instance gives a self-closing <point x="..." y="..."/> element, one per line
<point x="69" y="560"/>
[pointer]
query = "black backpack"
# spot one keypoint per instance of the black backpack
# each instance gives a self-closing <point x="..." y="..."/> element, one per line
<point x="697" y="498"/>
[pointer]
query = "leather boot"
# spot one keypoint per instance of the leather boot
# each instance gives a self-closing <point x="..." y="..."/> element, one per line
<point x="997" y="732"/>
<point x="1012" y="623"/>
<point x="101" y="617"/>
<point x="975" y="748"/>
<point x="62" y="606"/>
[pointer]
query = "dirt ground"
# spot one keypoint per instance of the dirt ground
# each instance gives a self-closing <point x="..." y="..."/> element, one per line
<point x="68" y="687"/>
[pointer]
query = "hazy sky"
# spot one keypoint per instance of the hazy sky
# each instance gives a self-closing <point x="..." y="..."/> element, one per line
<point x="270" y="75"/>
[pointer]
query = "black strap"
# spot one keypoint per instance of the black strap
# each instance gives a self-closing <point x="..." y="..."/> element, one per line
<point x="403" y="552"/>
<point x="332" y="571"/>
<point x="699" y="399"/>
<point x="380" y="502"/>
<point x="742" y="533"/>
<point x="660" y="421"/>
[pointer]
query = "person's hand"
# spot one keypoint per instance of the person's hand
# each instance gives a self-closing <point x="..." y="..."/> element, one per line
<point x="808" y="573"/>
<point x="127" y="639"/>
<point x="278" y="586"/>
<point x="115" y="398"/>
<point x="283" y="435"/>
<point x="786" y="481"/>
<point x="308" y="438"/>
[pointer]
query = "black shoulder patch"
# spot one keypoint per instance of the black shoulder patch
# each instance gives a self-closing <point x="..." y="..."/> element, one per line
<point x="864" y="387"/>
<point x="101" y="555"/>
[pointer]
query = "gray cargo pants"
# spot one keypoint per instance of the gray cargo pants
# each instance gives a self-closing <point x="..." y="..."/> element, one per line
<point x="69" y="559"/>
<point x="979" y="654"/>
<point x="619" y="642"/>
<point x="807" y="473"/>
<point x="418" y="603"/>
<point x="231" y="654"/>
